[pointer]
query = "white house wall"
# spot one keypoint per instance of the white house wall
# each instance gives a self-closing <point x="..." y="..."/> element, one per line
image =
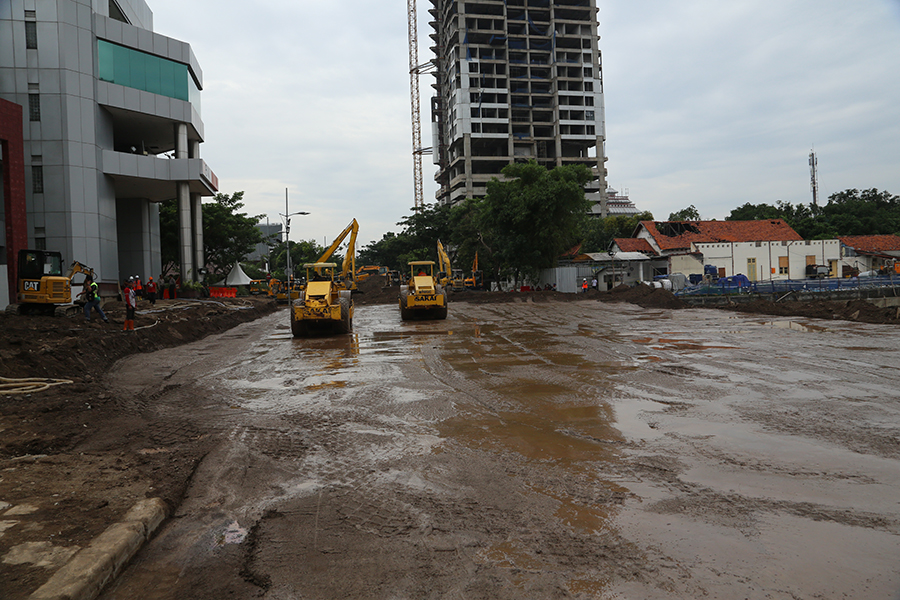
<point x="735" y="257"/>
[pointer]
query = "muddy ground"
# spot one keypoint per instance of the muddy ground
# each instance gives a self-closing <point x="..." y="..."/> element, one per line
<point x="75" y="457"/>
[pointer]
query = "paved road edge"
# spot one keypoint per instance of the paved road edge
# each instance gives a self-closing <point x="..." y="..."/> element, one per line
<point x="86" y="573"/>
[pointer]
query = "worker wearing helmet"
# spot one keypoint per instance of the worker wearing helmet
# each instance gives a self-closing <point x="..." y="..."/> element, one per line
<point x="584" y="286"/>
<point x="150" y="290"/>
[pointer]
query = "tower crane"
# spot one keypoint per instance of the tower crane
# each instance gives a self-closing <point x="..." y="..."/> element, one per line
<point x="415" y="69"/>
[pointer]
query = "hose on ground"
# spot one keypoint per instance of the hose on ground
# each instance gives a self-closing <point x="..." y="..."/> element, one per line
<point x="28" y="385"/>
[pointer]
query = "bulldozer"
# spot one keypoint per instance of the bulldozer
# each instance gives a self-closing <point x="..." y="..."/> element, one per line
<point x="322" y="307"/>
<point x="424" y="297"/>
<point x="41" y="285"/>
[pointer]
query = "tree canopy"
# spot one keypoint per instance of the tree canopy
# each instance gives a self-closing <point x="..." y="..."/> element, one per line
<point x="228" y="235"/>
<point x="850" y="212"/>
<point x="686" y="214"/>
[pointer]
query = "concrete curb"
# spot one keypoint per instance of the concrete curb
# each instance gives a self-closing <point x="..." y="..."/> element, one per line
<point x="86" y="573"/>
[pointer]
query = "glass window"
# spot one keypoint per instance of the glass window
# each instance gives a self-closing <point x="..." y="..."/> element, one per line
<point x="30" y="35"/>
<point x="34" y="107"/>
<point x="135" y="69"/>
<point x="37" y="179"/>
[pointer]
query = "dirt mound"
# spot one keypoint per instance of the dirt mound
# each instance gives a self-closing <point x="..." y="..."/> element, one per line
<point x="643" y="295"/>
<point x="61" y="347"/>
<point x="853" y="310"/>
<point x="374" y="290"/>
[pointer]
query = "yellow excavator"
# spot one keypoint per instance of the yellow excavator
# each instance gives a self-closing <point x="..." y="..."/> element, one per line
<point x="444" y="269"/>
<point x="476" y="281"/>
<point x="345" y="279"/>
<point x="41" y="285"/>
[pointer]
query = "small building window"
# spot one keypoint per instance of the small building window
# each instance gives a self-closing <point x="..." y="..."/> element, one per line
<point x="37" y="179"/>
<point x="31" y="35"/>
<point x="34" y="107"/>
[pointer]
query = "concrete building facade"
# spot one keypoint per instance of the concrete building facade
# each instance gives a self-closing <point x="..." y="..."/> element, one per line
<point x="111" y="127"/>
<point x="515" y="80"/>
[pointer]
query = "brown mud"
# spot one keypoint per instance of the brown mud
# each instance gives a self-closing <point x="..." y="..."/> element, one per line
<point x="74" y="458"/>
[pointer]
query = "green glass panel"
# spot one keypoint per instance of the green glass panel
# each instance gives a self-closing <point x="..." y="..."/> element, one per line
<point x="121" y="66"/>
<point x="181" y="82"/>
<point x="167" y="78"/>
<point x="106" y="61"/>
<point x="152" y="73"/>
<point x="138" y="69"/>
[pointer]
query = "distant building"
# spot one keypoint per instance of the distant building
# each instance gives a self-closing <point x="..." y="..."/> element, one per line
<point x="617" y="205"/>
<point x="761" y="250"/>
<point x="273" y="234"/>
<point x="515" y="81"/>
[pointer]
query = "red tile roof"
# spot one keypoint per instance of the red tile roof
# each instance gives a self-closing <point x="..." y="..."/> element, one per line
<point x="872" y="243"/>
<point x="679" y="235"/>
<point x="635" y="245"/>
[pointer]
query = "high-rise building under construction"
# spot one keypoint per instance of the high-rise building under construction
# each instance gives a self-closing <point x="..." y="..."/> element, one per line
<point x="515" y="80"/>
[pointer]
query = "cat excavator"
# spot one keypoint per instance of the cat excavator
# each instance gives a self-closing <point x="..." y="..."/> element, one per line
<point x="41" y="285"/>
<point x="345" y="279"/>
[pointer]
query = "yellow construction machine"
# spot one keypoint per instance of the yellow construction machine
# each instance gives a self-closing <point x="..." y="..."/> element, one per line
<point x="346" y="277"/>
<point x="476" y="281"/>
<point x="323" y="307"/>
<point x="41" y="285"/>
<point x="424" y="297"/>
<point x="444" y="268"/>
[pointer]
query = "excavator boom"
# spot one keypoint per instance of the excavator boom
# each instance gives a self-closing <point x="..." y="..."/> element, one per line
<point x="348" y="267"/>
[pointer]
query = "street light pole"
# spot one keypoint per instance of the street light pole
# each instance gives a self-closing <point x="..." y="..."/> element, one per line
<point x="287" y="236"/>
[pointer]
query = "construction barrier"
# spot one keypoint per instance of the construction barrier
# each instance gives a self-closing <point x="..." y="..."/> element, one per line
<point x="222" y="292"/>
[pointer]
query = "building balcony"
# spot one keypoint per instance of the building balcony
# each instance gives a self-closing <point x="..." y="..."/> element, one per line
<point x="155" y="179"/>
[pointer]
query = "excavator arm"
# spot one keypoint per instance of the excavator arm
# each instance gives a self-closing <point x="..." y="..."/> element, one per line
<point x="348" y="268"/>
<point x="443" y="264"/>
<point x="77" y="267"/>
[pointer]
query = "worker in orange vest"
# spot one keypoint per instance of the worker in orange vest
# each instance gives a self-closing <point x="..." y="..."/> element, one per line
<point x="151" y="291"/>
<point x="584" y="286"/>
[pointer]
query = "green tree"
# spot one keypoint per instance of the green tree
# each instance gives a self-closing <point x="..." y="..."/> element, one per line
<point x="534" y="216"/>
<point x="686" y="214"/>
<point x="417" y="241"/>
<point x="302" y="251"/>
<point x="228" y="235"/>
<point x="851" y="212"/>
<point x="601" y="233"/>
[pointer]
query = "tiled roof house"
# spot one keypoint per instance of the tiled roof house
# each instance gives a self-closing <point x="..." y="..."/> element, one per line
<point x="676" y="237"/>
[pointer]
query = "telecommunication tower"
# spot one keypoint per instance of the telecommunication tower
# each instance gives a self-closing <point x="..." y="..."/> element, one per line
<point x="814" y="176"/>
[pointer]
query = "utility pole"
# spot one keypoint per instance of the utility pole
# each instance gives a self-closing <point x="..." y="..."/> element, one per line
<point x="814" y="176"/>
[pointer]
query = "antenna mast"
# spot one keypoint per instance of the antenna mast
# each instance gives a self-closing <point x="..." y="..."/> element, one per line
<point x="814" y="176"/>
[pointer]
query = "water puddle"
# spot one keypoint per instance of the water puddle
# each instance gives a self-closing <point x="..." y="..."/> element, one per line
<point x="795" y="326"/>
<point x="541" y="431"/>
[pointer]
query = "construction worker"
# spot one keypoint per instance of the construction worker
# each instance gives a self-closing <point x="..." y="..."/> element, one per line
<point x="130" y="304"/>
<point x="584" y="286"/>
<point x="138" y="288"/>
<point x="151" y="291"/>
<point x="91" y="295"/>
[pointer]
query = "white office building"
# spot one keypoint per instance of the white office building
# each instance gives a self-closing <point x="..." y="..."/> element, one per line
<point x="112" y="127"/>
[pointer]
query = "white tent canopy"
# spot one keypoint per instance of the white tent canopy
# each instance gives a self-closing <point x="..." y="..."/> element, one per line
<point x="236" y="277"/>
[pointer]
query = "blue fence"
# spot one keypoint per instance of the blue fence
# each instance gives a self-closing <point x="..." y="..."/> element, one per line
<point x="736" y="285"/>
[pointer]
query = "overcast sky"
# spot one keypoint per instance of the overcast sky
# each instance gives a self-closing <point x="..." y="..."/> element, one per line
<point x="708" y="103"/>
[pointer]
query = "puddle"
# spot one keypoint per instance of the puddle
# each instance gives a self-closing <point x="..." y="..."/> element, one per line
<point x="795" y="326"/>
<point x="540" y="431"/>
